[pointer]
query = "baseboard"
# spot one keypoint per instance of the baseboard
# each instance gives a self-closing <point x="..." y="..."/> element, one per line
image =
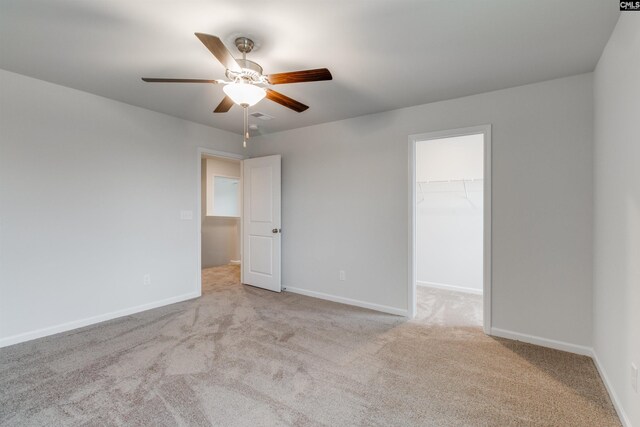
<point x="612" y="394"/>
<point x="449" y="287"/>
<point x="544" y="342"/>
<point x="64" y="327"/>
<point x="348" y="301"/>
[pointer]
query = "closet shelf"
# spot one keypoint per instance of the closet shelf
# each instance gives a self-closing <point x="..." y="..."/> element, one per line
<point x="445" y="181"/>
<point x="422" y="184"/>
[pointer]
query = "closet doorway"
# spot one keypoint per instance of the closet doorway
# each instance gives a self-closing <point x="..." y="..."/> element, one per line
<point x="450" y="226"/>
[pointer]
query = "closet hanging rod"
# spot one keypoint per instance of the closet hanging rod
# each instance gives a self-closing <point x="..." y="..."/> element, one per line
<point x="449" y="180"/>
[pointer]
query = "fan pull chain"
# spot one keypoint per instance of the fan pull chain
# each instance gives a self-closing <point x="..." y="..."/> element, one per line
<point x="246" y="126"/>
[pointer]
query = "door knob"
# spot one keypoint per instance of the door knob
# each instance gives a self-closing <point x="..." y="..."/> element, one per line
<point x="276" y="230"/>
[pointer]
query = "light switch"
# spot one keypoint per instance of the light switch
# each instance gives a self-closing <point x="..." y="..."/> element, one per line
<point x="187" y="215"/>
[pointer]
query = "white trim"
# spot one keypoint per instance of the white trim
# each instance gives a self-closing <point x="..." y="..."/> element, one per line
<point x="487" y="217"/>
<point x="63" y="327"/>
<point x="487" y="232"/>
<point x="348" y="301"/>
<point x="544" y="342"/>
<point x="412" y="302"/>
<point x="222" y="154"/>
<point x="201" y="152"/>
<point x="612" y="393"/>
<point x="241" y="221"/>
<point x="449" y="287"/>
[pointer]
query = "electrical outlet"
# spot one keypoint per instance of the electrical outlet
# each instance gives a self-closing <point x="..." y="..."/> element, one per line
<point x="186" y="215"/>
<point x="342" y="275"/>
<point x="146" y="279"/>
<point x="634" y="377"/>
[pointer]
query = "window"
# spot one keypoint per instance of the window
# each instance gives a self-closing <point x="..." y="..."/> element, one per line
<point x="226" y="196"/>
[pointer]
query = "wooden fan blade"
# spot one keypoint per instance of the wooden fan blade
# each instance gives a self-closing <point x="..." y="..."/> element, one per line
<point x="219" y="50"/>
<point x="155" y="80"/>
<point x="285" y="100"/>
<point x="224" y="106"/>
<point x="316" y="75"/>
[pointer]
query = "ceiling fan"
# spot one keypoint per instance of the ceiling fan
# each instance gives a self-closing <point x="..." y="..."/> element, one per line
<point x="247" y="85"/>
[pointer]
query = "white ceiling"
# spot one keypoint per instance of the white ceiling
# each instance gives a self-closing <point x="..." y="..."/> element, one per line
<point x="383" y="54"/>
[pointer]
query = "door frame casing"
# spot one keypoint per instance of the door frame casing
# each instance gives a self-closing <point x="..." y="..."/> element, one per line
<point x="487" y="219"/>
<point x="201" y="151"/>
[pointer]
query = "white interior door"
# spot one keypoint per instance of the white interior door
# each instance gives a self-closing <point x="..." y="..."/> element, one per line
<point x="261" y="222"/>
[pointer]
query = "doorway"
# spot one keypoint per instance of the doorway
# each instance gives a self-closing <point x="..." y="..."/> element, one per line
<point x="238" y="220"/>
<point x="219" y="219"/>
<point x="450" y="221"/>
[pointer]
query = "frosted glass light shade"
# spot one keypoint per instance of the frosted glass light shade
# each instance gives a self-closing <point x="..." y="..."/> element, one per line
<point x="244" y="94"/>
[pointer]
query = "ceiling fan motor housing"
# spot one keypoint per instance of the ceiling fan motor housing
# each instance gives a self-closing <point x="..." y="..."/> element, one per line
<point x="251" y="72"/>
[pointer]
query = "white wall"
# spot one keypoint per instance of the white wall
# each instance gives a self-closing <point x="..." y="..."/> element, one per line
<point x="345" y="203"/>
<point x="449" y="226"/>
<point x="617" y="212"/>
<point x="220" y="235"/>
<point x="90" y="197"/>
<point x="83" y="236"/>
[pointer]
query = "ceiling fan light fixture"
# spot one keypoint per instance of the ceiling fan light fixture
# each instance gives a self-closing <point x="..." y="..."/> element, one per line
<point x="244" y="94"/>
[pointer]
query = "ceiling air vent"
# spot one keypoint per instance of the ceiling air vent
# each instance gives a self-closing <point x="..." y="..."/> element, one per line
<point x="261" y="116"/>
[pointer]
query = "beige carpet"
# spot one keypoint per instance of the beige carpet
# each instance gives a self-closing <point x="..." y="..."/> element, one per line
<point x="241" y="356"/>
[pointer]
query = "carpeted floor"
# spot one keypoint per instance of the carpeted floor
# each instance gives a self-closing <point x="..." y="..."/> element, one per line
<point x="241" y="356"/>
